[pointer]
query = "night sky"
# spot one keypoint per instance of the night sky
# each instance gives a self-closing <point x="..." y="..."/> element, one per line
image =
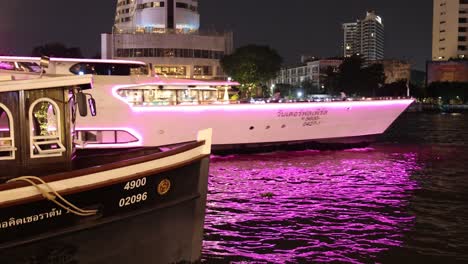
<point x="292" y="27"/>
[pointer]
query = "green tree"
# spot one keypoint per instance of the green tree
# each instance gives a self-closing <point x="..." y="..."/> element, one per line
<point x="349" y="76"/>
<point x="331" y="81"/>
<point x="284" y="89"/>
<point x="56" y="49"/>
<point x="448" y="90"/>
<point x="372" y="78"/>
<point x="252" y="66"/>
<point x="310" y="87"/>
<point x="355" y="79"/>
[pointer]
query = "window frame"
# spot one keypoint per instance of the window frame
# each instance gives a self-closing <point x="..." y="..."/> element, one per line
<point x="36" y="141"/>
<point x="11" y="148"/>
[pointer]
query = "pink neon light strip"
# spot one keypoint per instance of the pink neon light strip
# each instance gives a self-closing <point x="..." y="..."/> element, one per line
<point x="250" y="107"/>
<point x="37" y="59"/>
<point x="264" y="107"/>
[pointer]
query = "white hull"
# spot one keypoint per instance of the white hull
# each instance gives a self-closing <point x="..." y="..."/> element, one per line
<point x="235" y="124"/>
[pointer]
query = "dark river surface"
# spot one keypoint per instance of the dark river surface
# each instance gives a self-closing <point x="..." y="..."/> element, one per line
<point x="402" y="200"/>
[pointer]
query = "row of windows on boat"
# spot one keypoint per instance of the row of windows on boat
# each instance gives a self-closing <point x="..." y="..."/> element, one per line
<point x="162" y="97"/>
<point x="46" y="130"/>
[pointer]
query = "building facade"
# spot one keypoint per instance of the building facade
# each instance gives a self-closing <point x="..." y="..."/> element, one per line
<point x="396" y="70"/>
<point x="349" y="39"/>
<point x="450" y="29"/>
<point x="166" y="34"/>
<point x="447" y="71"/>
<point x="365" y="38"/>
<point x="314" y="72"/>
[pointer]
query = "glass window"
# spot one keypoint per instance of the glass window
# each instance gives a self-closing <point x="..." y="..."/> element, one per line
<point x="45" y="125"/>
<point x="148" y="97"/>
<point x="171" y="70"/>
<point x="209" y="96"/>
<point x="7" y="65"/>
<point x="7" y="144"/>
<point x="188" y="96"/>
<point x="119" y="69"/>
<point x="107" y="137"/>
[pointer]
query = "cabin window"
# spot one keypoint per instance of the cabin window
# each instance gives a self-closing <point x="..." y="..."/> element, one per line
<point x="45" y="125"/>
<point x="209" y="96"/>
<point x="7" y="140"/>
<point x="20" y="66"/>
<point x="188" y="96"/>
<point x="92" y="137"/>
<point x="115" y="69"/>
<point x="149" y="96"/>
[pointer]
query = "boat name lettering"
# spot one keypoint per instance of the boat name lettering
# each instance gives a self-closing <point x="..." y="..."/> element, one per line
<point x="134" y="199"/>
<point x="302" y="113"/>
<point x="135" y="184"/>
<point x="308" y="117"/>
<point x="12" y="222"/>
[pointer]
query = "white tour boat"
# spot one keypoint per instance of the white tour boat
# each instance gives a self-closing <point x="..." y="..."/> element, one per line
<point x="139" y="108"/>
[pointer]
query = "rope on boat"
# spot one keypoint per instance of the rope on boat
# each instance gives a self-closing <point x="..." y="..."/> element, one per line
<point x="52" y="196"/>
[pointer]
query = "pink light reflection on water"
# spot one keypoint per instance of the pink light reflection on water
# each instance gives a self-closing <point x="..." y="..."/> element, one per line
<point x="324" y="206"/>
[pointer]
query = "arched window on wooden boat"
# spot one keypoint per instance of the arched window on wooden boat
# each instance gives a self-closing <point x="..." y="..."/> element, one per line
<point x="7" y="134"/>
<point x="46" y="129"/>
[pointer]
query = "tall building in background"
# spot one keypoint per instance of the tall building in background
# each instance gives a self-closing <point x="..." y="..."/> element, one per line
<point x="365" y="37"/>
<point x="450" y="29"/>
<point x="166" y="34"/>
<point x="349" y="39"/>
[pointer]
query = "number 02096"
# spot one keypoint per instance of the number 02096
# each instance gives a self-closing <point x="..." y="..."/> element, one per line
<point x="134" y="199"/>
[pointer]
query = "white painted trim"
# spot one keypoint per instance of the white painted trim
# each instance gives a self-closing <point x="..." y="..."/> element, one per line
<point x="102" y="177"/>
<point x="44" y="83"/>
<point x="12" y="147"/>
<point x="33" y="140"/>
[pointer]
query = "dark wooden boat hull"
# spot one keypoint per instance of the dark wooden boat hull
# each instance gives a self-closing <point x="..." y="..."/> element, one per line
<point x="133" y="225"/>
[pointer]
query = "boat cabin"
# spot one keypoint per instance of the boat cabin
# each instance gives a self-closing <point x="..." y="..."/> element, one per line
<point x="37" y="117"/>
<point x="151" y="95"/>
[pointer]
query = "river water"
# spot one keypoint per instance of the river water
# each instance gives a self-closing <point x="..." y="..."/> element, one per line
<point x="402" y="200"/>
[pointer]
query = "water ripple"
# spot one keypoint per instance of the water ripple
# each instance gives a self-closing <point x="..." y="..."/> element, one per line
<point x="308" y="206"/>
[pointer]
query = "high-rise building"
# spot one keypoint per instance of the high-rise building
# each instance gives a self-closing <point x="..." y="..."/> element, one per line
<point x="450" y="29"/>
<point x="166" y="34"/>
<point x="365" y="37"/>
<point x="349" y="39"/>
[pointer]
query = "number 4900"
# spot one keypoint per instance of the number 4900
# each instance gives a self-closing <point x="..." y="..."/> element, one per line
<point x="135" y="184"/>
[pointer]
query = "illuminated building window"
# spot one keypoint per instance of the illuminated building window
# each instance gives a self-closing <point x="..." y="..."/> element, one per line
<point x="171" y="70"/>
<point x="202" y="70"/>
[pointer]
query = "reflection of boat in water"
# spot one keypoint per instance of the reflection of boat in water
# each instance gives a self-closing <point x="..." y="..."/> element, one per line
<point x="87" y="200"/>
<point x="138" y="109"/>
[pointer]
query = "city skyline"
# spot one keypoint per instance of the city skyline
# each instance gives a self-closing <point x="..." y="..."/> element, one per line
<point x="408" y="25"/>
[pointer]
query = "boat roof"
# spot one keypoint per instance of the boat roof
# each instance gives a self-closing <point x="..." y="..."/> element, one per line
<point x="34" y="82"/>
<point x="189" y="82"/>
<point x="71" y="60"/>
<point x="159" y="80"/>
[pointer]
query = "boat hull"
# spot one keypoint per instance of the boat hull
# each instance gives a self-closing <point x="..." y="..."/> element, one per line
<point x="139" y="225"/>
<point x="244" y="124"/>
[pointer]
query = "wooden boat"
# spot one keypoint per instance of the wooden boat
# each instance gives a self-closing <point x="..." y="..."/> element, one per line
<point x="61" y="205"/>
